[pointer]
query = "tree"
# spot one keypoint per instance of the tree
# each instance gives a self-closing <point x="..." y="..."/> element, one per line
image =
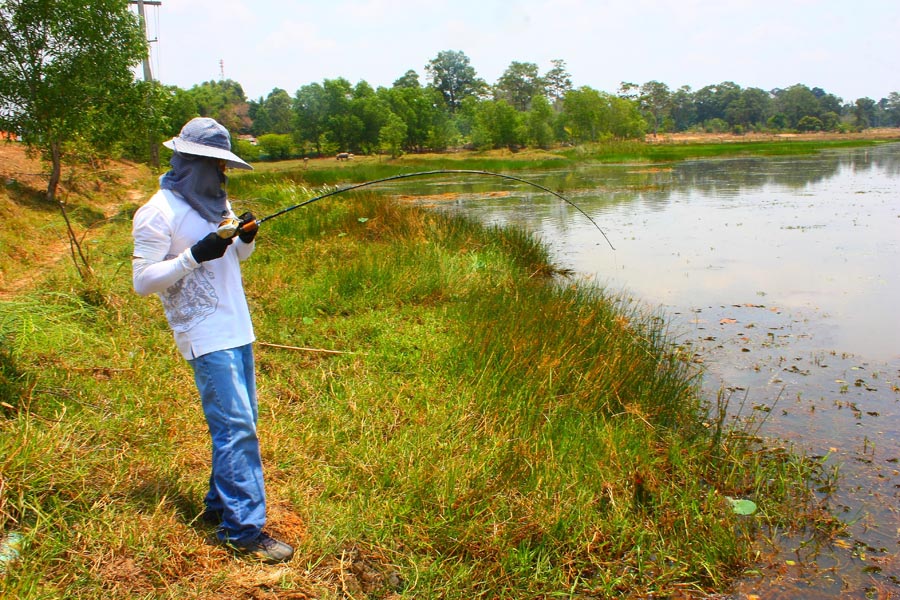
<point x="557" y="81"/>
<point x="809" y="123"/>
<point x="236" y="117"/>
<point x="752" y="107"/>
<point x="655" y="100"/>
<point x="180" y="108"/>
<point x="260" y="117"/>
<point x="591" y="116"/>
<point x="712" y="101"/>
<point x="456" y="79"/>
<point x="519" y="84"/>
<point x="628" y="90"/>
<point x="393" y="135"/>
<point x="496" y="125"/>
<point x="797" y="102"/>
<point x="892" y="109"/>
<point x="373" y="112"/>
<point x="279" y="111"/>
<point x="342" y="127"/>
<point x="831" y="121"/>
<point x="506" y="130"/>
<point x="273" y="114"/>
<point x="864" y="113"/>
<point x="276" y="146"/>
<point x="683" y="111"/>
<point x="311" y="108"/>
<point x="225" y="102"/>
<point x="539" y="122"/>
<point x="64" y="66"/>
<point x="828" y="102"/>
<point x="583" y="110"/>
<point x="152" y="105"/>
<point x="624" y="120"/>
<point x="421" y="109"/>
<point x="777" y="121"/>
<point x="410" y="79"/>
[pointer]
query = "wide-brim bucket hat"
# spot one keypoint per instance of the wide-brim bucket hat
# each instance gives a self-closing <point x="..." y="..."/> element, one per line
<point x="203" y="136"/>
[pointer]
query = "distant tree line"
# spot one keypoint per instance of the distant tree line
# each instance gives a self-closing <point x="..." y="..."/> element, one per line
<point x="456" y="108"/>
<point x="72" y="97"/>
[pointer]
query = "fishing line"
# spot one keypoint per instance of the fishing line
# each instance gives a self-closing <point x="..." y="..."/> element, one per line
<point x="435" y="172"/>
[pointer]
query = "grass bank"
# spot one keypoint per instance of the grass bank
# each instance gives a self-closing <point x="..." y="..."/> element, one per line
<point x="673" y="148"/>
<point x="440" y="418"/>
<point x="626" y="152"/>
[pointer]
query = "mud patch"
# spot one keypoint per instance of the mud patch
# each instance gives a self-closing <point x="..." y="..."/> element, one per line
<point x="122" y="577"/>
<point x="448" y="197"/>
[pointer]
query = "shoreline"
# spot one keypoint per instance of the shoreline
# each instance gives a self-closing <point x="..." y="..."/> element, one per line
<point x="874" y="134"/>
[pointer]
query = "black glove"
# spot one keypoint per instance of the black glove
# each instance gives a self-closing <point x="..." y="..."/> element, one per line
<point x="247" y="235"/>
<point x="210" y="248"/>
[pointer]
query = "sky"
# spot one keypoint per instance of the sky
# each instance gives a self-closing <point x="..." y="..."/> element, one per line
<point x="850" y="48"/>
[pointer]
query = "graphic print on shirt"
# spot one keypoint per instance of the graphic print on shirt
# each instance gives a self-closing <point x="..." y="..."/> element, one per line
<point x="189" y="301"/>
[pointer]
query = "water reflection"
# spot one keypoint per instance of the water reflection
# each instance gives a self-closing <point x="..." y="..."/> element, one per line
<point x="815" y="234"/>
<point x="781" y="275"/>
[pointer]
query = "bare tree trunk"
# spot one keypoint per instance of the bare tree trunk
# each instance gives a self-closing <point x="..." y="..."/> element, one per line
<point x="55" y="170"/>
<point x="74" y="245"/>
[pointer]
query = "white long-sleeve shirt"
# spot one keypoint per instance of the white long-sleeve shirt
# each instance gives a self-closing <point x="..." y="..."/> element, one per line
<point x="204" y="302"/>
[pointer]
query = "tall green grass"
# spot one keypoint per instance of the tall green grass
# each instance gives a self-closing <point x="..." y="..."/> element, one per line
<point x="441" y="416"/>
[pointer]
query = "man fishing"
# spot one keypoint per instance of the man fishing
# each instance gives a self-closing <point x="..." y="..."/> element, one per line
<point x="196" y="273"/>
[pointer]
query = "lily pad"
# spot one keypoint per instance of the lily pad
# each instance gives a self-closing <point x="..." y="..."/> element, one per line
<point x="742" y="506"/>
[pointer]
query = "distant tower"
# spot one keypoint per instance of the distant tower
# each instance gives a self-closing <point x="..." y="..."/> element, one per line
<point x="221" y="70"/>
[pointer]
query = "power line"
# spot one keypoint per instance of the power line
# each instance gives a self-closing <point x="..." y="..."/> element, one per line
<point x="156" y="29"/>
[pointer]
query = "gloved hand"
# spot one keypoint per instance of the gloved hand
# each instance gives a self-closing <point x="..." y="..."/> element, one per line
<point x="210" y="247"/>
<point x="252" y="227"/>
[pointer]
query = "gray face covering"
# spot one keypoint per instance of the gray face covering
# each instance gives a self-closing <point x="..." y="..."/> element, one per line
<point x="200" y="182"/>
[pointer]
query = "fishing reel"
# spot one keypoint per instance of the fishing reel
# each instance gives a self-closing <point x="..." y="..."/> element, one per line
<point x="228" y="228"/>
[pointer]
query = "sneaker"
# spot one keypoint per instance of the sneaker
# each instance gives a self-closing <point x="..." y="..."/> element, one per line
<point x="266" y="549"/>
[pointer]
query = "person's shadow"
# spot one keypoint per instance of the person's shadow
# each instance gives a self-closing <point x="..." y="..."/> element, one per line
<point x="158" y="487"/>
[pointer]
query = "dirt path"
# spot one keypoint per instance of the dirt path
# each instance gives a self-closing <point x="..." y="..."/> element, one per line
<point x="15" y="165"/>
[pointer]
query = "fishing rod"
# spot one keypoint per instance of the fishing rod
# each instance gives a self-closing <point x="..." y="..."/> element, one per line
<point x="232" y="227"/>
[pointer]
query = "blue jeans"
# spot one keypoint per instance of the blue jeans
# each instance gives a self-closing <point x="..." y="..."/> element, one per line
<point x="227" y="386"/>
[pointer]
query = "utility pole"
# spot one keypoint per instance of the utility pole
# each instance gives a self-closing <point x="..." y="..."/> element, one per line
<point x="148" y="74"/>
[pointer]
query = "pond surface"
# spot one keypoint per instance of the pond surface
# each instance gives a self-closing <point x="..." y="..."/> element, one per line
<point x="781" y="277"/>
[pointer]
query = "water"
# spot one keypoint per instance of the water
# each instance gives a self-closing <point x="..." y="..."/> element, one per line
<point x="781" y="276"/>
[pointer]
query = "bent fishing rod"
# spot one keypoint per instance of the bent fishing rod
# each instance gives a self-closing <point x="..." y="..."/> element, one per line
<point x="232" y="227"/>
